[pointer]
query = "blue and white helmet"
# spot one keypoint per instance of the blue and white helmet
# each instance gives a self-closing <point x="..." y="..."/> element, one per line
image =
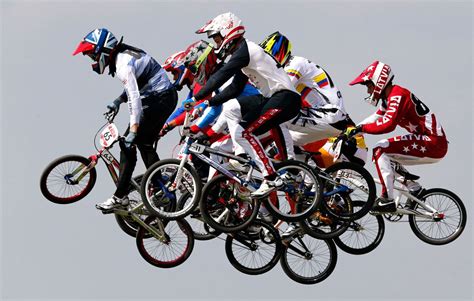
<point x="98" y="44"/>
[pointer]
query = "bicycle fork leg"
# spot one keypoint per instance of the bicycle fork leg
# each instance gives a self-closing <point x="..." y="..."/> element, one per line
<point x="179" y="174"/>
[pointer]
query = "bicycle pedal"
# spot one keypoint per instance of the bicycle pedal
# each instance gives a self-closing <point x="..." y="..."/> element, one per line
<point x="106" y="211"/>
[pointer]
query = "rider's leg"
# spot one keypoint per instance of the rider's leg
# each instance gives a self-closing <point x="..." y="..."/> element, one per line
<point x="281" y="107"/>
<point x="248" y="143"/>
<point x="316" y="124"/>
<point x="408" y="149"/>
<point x="157" y="108"/>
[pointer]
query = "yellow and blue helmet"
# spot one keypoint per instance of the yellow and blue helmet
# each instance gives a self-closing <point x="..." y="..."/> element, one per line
<point x="278" y="46"/>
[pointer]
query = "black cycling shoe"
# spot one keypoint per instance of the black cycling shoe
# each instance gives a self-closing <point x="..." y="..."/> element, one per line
<point x="384" y="205"/>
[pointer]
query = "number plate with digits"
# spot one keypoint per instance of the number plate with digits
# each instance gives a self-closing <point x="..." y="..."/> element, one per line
<point x="197" y="148"/>
<point x="109" y="135"/>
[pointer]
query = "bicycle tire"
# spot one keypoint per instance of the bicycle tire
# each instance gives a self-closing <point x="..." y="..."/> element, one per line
<point x="458" y="206"/>
<point x="265" y="248"/>
<point x="55" y="174"/>
<point x="200" y="228"/>
<point x="222" y="195"/>
<point x="307" y="190"/>
<point x="327" y="260"/>
<point x="190" y="182"/>
<point x="321" y="225"/>
<point x="359" y="180"/>
<point x="365" y="242"/>
<point x="145" y="240"/>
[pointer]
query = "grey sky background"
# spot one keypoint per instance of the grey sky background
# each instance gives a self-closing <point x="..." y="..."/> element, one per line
<point x="52" y="105"/>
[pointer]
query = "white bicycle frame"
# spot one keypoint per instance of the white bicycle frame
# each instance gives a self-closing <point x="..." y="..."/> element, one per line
<point x="403" y="191"/>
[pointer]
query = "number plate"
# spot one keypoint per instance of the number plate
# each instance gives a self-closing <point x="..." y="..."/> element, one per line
<point x="107" y="156"/>
<point x="197" y="148"/>
<point x="109" y="135"/>
<point x="337" y="150"/>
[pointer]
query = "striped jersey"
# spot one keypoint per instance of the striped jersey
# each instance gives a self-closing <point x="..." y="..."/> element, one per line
<point x="313" y="83"/>
<point x="141" y="76"/>
<point x="403" y="108"/>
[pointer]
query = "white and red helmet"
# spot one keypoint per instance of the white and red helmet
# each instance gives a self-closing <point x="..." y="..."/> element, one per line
<point x="175" y="65"/>
<point x="380" y="75"/>
<point x="228" y="26"/>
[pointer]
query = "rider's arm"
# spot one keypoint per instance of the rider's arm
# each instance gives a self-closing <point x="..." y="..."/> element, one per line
<point x="209" y="116"/>
<point x="379" y="113"/>
<point x="231" y="91"/>
<point x="388" y="122"/>
<point x="240" y="59"/>
<point x="127" y="75"/>
<point x="123" y="97"/>
<point x="294" y="75"/>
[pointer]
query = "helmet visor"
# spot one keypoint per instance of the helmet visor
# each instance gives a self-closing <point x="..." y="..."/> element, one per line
<point x="84" y="47"/>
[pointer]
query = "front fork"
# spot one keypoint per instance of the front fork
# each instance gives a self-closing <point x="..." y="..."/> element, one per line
<point x="83" y="171"/>
<point x="184" y="160"/>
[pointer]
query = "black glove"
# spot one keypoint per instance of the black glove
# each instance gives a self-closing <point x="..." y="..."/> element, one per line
<point x="201" y="138"/>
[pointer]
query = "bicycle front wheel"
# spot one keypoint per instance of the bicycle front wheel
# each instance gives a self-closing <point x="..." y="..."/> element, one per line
<point x="160" y="191"/>
<point x="300" y="195"/>
<point x="66" y="180"/>
<point x="308" y="260"/>
<point x="227" y="206"/>
<point x="446" y="224"/>
<point x="173" y="246"/>
<point x="256" y="250"/>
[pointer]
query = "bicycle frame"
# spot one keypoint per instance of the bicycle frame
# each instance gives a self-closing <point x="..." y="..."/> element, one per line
<point x="138" y="210"/>
<point x="405" y="192"/>
<point x="109" y="138"/>
<point x="196" y="149"/>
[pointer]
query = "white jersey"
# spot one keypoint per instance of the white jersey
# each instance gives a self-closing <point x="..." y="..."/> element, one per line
<point x="251" y="63"/>
<point x="141" y="76"/>
<point x="313" y="83"/>
<point x="264" y="73"/>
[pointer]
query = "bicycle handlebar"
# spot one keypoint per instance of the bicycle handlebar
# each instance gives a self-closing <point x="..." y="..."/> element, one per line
<point x="110" y="115"/>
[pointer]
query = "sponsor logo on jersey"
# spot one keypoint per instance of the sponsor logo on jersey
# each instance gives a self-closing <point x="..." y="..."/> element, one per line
<point x="393" y="105"/>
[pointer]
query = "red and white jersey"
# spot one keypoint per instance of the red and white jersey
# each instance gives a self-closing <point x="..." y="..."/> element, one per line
<point x="403" y="108"/>
<point x="313" y="83"/>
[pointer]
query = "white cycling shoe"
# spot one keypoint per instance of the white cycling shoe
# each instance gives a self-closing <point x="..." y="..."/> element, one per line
<point x="267" y="187"/>
<point x="113" y="202"/>
<point x="236" y="166"/>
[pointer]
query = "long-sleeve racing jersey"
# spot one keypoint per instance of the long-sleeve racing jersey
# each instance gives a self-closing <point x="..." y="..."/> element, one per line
<point x="249" y="62"/>
<point x="313" y="83"/>
<point x="141" y="76"/>
<point x="403" y="108"/>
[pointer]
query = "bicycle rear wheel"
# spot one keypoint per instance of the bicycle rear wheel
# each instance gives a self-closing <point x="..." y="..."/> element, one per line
<point x="168" y="251"/>
<point x="308" y="260"/>
<point x="65" y="180"/>
<point x="256" y="250"/>
<point x="446" y="224"/>
<point x="158" y="192"/>
<point x="300" y="195"/>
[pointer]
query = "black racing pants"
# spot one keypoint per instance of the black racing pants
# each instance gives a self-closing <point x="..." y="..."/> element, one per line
<point x="156" y="110"/>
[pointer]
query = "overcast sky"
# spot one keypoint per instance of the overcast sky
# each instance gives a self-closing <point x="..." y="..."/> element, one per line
<point x="52" y="105"/>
